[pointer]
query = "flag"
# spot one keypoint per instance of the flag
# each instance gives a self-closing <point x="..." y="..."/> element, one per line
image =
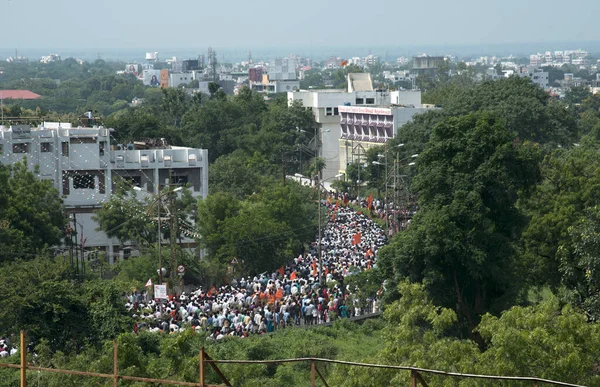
<point x="356" y="239"/>
<point x="212" y="291"/>
<point x="149" y="283"/>
<point x="314" y="265"/>
<point x="293" y="276"/>
<point x="282" y="271"/>
<point x="344" y="63"/>
<point x="370" y="201"/>
<point x="346" y="200"/>
<point x="369" y="253"/>
<point x="279" y="294"/>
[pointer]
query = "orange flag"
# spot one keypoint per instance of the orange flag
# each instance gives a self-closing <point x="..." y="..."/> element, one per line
<point x="212" y="291"/>
<point x="344" y="63"/>
<point x="293" y="276"/>
<point x="370" y="201"/>
<point x="282" y="270"/>
<point x="369" y="253"/>
<point x="346" y="200"/>
<point x="314" y="265"/>
<point x="279" y="294"/>
<point x="356" y="239"/>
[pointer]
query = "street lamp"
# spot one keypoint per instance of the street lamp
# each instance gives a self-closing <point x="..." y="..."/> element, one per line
<point x="158" y="201"/>
<point x="319" y="255"/>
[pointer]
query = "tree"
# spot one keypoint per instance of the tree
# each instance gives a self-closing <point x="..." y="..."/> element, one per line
<point x="175" y="104"/>
<point x="461" y="244"/>
<point x="577" y="94"/>
<point x="31" y="213"/>
<point x="579" y="259"/>
<point x="126" y="218"/>
<point x="40" y="298"/>
<point x="527" y="109"/>
<point x="568" y="186"/>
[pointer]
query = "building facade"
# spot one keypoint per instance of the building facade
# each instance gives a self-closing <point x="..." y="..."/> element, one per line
<point x="84" y="168"/>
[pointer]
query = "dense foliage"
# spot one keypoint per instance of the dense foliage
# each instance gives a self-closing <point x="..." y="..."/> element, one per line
<point x="496" y="273"/>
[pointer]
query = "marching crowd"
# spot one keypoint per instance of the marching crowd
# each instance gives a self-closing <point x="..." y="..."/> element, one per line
<point x="290" y="296"/>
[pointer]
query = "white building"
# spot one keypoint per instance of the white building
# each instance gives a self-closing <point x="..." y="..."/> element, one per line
<point x="328" y="104"/>
<point x="364" y="127"/>
<point x="84" y="168"/>
<point x="537" y="76"/>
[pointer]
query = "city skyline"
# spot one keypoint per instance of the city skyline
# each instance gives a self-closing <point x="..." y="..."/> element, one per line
<point x="71" y="24"/>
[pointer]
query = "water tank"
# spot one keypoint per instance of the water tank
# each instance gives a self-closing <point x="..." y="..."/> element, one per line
<point x="347" y="104"/>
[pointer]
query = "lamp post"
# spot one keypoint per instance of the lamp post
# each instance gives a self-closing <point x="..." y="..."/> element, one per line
<point x="158" y="221"/>
<point x="396" y="163"/>
<point x="319" y="245"/>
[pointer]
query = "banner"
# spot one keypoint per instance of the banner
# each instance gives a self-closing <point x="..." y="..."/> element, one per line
<point x="164" y="78"/>
<point x="160" y="292"/>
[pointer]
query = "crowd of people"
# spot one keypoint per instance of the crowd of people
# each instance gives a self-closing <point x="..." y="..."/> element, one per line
<point x="289" y="296"/>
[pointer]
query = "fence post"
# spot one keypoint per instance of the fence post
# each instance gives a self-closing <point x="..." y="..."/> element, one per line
<point x="115" y="365"/>
<point x="202" y="366"/>
<point x="23" y="354"/>
<point x="413" y="378"/>
<point x="312" y="374"/>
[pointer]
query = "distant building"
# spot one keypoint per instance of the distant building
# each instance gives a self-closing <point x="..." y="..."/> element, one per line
<point x="255" y="74"/>
<point x="365" y="127"/>
<point x="83" y="166"/>
<point x="283" y="69"/>
<point x="537" y="76"/>
<point x="19" y="94"/>
<point x="426" y="64"/>
<point x="337" y="143"/>
<point x="50" y="58"/>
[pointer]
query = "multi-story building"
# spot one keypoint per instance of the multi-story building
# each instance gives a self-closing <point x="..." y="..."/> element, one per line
<point x="329" y="105"/>
<point x="537" y="76"/>
<point x="365" y="127"/>
<point x="84" y="168"/>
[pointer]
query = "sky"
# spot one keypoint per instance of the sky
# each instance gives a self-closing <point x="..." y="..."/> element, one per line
<point x="255" y="24"/>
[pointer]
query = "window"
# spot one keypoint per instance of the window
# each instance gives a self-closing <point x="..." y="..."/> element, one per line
<point x="181" y="180"/>
<point x="84" y="182"/>
<point x="101" y="147"/>
<point x="21" y="148"/>
<point x="328" y="111"/>
<point x="336" y="112"/>
<point x="1" y="148"/>
<point x="46" y="147"/>
<point x="370" y="101"/>
<point x="65" y="148"/>
<point x="360" y="101"/>
<point x="83" y="140"/>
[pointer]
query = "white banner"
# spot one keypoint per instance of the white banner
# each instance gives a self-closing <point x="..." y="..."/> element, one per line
<point x="160" y="292"/>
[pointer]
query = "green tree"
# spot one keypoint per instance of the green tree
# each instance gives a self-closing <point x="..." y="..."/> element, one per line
<point x="568" y="186"/>
<point x="31" y="213"/>
<point x="126" y="218"/>
<point x="461" y="244"/>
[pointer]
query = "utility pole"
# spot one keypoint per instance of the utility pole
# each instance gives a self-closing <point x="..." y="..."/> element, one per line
<point x="160" y="274"/>
<point x="283" y="166"/>
<point x="172" y="242"/>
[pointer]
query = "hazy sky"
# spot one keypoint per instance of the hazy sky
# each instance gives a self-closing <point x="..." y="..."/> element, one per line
<point x="270" y="23"/>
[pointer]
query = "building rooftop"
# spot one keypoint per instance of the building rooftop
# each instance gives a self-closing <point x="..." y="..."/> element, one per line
<point x="359" y="82"/>
<point x="19" y="94"/>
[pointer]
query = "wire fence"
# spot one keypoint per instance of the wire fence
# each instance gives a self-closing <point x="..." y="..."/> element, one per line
<point x="417" y="375"/>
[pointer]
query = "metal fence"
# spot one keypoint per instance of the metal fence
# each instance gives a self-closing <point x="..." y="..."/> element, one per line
<point x="417" y="375"/>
